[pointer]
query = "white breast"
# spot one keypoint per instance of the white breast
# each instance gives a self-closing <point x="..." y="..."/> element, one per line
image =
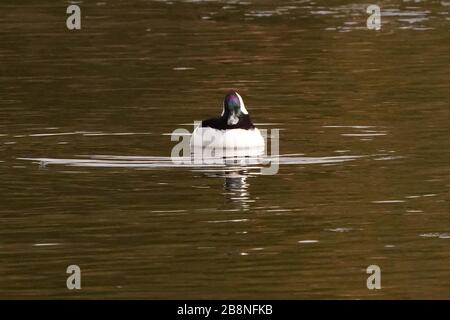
<point x="227" y="139"/>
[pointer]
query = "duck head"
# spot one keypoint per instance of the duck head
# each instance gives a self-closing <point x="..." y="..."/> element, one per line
<point x="233" y="108"/>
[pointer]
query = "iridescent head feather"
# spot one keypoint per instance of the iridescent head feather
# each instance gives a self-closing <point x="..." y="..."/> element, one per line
<point x="233" y="103"/>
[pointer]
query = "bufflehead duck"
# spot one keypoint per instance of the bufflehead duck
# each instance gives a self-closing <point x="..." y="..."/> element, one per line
<point x="232" y="130"/>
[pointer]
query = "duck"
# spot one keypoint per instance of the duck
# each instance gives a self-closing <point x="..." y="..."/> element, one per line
<point x="232" y="130"/>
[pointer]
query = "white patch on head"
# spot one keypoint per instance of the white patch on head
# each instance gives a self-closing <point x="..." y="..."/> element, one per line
<point x="243" y="110"/>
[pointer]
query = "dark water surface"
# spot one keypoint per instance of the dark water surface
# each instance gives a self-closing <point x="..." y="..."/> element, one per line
<point x="364" y="119"/>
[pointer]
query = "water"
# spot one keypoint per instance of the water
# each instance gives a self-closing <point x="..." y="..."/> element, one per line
<point x="86" y="177"/>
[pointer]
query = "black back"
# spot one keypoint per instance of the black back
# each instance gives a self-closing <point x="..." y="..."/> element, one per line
<point x="221" y="123"/>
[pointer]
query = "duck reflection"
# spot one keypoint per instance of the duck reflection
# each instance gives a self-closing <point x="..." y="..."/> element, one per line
<point x="236" y="188"/>
<point x="235" y="168"/>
